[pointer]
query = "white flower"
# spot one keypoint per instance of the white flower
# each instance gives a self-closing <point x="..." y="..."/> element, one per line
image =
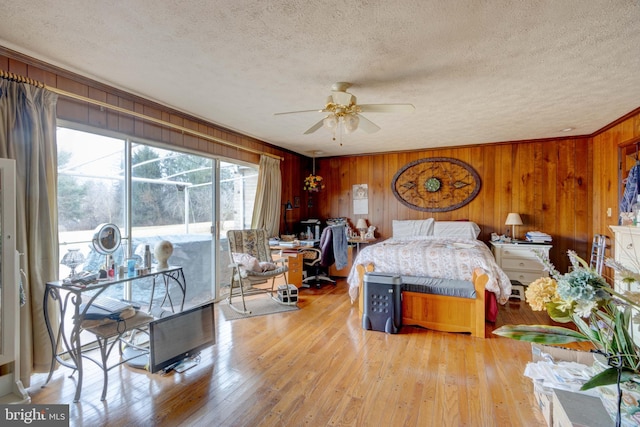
<point x="584" y="308"/>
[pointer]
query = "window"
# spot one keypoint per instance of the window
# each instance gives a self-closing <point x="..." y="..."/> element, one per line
<point x="167" y="195"/>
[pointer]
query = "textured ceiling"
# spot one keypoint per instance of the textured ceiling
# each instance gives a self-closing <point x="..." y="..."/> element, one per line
<point x="476" y="71"/>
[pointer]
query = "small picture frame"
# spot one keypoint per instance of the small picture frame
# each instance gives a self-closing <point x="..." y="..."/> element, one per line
<point x="296" y="201"/>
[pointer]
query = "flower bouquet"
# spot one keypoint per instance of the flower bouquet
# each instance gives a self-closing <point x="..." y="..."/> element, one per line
<point x="601" y="315"/>
<point x="313" y="183"/>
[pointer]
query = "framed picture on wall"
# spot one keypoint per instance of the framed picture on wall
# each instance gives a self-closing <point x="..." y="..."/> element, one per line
<point x="296" y="201"/>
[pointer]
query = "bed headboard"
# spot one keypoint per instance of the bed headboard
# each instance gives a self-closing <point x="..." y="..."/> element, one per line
<point x="403" y="229"/>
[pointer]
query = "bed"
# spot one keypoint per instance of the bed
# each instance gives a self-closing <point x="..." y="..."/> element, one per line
<point x="440" y="250"/>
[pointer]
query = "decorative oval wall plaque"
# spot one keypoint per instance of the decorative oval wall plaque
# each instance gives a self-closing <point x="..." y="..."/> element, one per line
<point x="439" y="184"/>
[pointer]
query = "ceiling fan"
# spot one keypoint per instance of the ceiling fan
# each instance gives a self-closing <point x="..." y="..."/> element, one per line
<point x="342" y="108"/>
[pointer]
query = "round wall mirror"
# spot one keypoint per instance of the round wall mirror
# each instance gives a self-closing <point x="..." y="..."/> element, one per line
<point x="106" y="238"/>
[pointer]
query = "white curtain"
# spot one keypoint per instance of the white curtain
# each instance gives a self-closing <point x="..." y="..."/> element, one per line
<point x="266" y="209"/>
<point x="28" y="135"/>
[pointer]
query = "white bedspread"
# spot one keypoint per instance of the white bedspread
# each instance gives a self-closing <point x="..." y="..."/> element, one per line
<point x="447" y="258"/>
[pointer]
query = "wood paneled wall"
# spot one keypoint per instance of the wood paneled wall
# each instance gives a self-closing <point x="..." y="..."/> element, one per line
<point x="607" y="173"/>
<point x="563" y="187"/>
<point x="75" y="111"/>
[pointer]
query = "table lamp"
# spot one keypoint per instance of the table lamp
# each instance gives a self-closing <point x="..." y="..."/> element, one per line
<point x="361" y="225"/>
<point x="72" y="259"/>
<point x="513" y="219"/>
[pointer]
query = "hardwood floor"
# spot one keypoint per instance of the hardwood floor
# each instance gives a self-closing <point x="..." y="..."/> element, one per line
<point x="317" y="367"/>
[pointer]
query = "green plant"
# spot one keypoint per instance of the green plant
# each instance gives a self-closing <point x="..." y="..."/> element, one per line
<point x="601" y="315"/>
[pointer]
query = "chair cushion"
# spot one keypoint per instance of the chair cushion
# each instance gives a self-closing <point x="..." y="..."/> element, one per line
<point x="438" y="286"/>
<point x="269" y="273"/>
<point x="252" y="242"/>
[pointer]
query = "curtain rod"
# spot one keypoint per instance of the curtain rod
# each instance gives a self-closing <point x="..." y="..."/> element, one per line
<point x="22" y="79"/>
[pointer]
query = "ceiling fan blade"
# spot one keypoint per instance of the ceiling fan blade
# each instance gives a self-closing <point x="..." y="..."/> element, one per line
<point x="367" y="125"/>
<point x="387" y="108"/>
<point x="321" y="110"/>
<point x="314" y="128"/>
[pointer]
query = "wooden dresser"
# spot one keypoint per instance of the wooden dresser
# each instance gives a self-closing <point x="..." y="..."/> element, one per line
<point x="627" y="252"/>
<point x="519" y="261"/>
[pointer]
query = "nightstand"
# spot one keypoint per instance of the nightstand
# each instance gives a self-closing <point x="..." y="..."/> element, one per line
<point x="334" y="272"/>
<point x="519" y="261"/>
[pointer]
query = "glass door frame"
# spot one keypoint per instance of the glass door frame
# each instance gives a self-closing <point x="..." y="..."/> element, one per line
<point x="216" y="206"/>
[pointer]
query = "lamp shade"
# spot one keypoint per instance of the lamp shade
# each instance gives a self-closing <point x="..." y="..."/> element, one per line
<point x="288" y="206"/>
<point x="513" y="219"/>
<point x="72" y="259"/>
<point x="361" y="224"/>
<point x="330" y="122"/>
<point x="351" y="122"/>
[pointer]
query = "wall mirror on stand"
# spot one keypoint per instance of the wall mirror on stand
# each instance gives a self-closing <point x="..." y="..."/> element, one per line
<point x="11" y="389"/>
<point x="628" y="177"/>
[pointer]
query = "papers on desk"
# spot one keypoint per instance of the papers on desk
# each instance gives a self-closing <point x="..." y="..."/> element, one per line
<point x="104" y="309"/>
<point x="562" y="375"/>
<point x="289" y="244"/>
<point x="110" y="304"/>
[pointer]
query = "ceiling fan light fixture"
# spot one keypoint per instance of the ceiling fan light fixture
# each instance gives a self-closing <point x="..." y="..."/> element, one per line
<point x="330" y="122"/>
<point x="342" y="112"/>
<point x="351" y="122"/>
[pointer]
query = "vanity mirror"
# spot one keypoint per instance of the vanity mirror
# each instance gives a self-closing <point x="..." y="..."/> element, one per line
<point x="106" y="239"/>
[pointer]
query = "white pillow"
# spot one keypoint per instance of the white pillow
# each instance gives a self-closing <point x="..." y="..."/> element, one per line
<point x="459" y="229"/>
<point x="267" y="266"/>
<point x="412" y="228"/>
<point x="248" y="262"/>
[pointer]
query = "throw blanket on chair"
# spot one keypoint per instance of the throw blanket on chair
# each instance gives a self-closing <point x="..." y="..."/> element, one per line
<point x="340" y="245"/>
<point x="333" y="246"/>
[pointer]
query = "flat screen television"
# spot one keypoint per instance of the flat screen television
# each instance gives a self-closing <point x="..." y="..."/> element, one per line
<point x="180" y="335"/>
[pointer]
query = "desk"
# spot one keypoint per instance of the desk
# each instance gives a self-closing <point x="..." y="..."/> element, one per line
<point x="69" y="298"/>
<point x="294" y="262"/>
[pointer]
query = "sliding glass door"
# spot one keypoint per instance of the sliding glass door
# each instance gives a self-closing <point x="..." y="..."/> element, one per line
<point x="152" y="194"/>
<point x="238" y="185"/>
<point x="172" y="200"/>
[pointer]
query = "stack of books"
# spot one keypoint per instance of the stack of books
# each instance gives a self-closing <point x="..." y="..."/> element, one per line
<point x="538" y="237"/>
<point x="292" y="244"/>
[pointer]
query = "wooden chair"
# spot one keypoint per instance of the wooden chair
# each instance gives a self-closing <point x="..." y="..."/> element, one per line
<point x="251" y="263"/>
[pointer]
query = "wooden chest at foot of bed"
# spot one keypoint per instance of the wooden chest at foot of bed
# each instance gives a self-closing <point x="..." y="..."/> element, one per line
<point x="441" y="312"/>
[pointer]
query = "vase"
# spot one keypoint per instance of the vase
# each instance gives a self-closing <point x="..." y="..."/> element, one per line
<point x="630" y="404"/>
<point x="162" y="252"/>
